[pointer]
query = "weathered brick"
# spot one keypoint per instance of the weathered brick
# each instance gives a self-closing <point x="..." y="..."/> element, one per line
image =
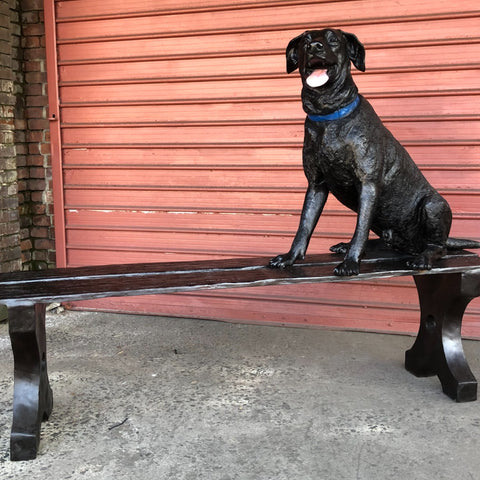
<point x="36" y="77"/>
<point x="35" y="160"/>
<point x="41" y="254"/>
<point x="38" y="124"/>
<point x="22" y="173"/>
<point x="41" y="221"/>
<point x="26" y="244"/>
<point x="44" y="244"/>
<point x="36" y="172"/>
<point x="37" y="100"/>
<point x="39" y="232"/>
<point x="32" y="5"/>
<point x="36" y="196"/>
<point x="21" y="158"/>
<point x="36" y="184"/>
<point x="45" y="148"/>
<point x="35" y="136"/>
<point x="31" y="16"/>
<point x="34" y="29"/>
<point x="34" y="148"/>
<point x="7" y="150"/>
<point x="39" y="209"/>
<point x="30" y="42"/>
<point x="6" y="47"/>
<point x="31" y="91"/>
<point x="34" y="53"/>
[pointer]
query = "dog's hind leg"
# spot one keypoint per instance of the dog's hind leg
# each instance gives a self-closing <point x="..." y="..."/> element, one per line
<point x="436" y="220"/>
<point x="427" y="258"/>
<point x="315" y="199"/>
<point x="372" y="244"/>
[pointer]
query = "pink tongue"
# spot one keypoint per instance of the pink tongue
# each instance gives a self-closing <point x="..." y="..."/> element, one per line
<point x="317" y="78"/>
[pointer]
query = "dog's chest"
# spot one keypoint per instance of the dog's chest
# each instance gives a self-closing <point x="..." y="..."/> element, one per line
<point x="333" y="158"/>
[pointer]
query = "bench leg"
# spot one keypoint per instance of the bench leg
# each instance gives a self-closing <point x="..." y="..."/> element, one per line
<point x="32" y="396"/>
<point x="438" y="348"/>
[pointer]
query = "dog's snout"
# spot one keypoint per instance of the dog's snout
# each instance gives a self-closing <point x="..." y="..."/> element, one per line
<point x="316" y="47"/>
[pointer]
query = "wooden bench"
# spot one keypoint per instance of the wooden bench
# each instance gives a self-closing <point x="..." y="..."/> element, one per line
<point x="444" y="293"/>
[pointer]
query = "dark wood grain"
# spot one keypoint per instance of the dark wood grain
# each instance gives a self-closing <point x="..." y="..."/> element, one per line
<point x="154" y="278"/>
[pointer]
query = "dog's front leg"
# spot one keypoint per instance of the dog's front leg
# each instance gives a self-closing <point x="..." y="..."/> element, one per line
<point x="366" y="207"/>
<point x="315" y="199"/>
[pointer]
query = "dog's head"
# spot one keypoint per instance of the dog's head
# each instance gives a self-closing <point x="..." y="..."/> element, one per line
<point x="323" y="57"/>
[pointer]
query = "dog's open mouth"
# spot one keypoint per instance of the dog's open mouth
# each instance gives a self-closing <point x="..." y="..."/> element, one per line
<point x="317" y="78"/>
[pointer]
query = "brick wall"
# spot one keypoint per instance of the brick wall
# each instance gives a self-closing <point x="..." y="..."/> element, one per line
<point x="10" y="255"/>
<point x="35" y="182"/>
<point x="26" y="206"/>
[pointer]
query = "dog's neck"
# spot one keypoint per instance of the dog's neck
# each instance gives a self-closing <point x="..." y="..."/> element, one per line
<point x="337" y="114"/>
<point x="325" y="101"/>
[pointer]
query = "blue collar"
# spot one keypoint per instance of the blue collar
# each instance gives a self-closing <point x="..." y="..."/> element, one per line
<point x="337" y="115"/>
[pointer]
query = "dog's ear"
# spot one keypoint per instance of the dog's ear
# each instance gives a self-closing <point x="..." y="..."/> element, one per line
<point x="356" y="51"/>
<point x="292" y="55"/>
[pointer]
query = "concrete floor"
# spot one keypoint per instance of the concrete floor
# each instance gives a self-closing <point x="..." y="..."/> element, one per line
<point x="140" y="397"/>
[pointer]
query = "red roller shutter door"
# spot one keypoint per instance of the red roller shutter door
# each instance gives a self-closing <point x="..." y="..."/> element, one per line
<point x="180" y="138"/>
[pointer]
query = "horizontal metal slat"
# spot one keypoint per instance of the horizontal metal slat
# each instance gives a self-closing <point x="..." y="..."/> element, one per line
<point x="89" y="8"/>
<point x="396" y="108"/>
<point x="178" y="221"/>
<point x="219" y="223"/>
<point x="250" y="89"/>
<point x="374" y="33"/>
<point x="190" y="155"/>
<point x="99" y="56"/>
<point x="227" y="244"/>
<point x="189" y="199"/>
<point x="423" y="155"/>
<point x="276" y="14"/>
<point x="236" y="177"/>
<point x="467" y="131"/>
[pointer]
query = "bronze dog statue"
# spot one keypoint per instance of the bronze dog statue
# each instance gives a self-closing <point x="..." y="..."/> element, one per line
<point x="349" y="152"/>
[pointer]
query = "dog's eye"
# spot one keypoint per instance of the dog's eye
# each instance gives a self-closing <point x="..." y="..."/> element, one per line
<point x="333" y="41"/>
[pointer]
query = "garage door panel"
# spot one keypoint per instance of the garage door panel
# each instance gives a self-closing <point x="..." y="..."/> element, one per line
<point x="317" y="13"/>
<point x="209" y="112"/>
<point x="258" y="134"/>
<point x="218" y="223"/>
<point x="254" y="222"/>
<point x="405" y="83"/>
<point x="191" y="155"/>
<point x="234" y="178"/>
<point x="434" y="30"/>
<point x="182" y="138"/>
<point x="73" y="9"/>
<point x="238" y="243"/>
<point x="466" y="201"/>
<point x="386" y="107"/>
<point x="423" y="155"/>
<point x="196" y="177"/>
<point x="227" y="64"/>
<point x="191" y="199"/>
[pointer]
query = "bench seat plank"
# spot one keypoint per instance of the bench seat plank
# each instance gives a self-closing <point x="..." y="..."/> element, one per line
<point x="82" y="283"/>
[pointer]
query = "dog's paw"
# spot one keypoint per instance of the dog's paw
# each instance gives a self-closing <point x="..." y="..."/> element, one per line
<point x="420" y="263"/>
<point x="347" y="268"/>
<point x="341" y="248"/>
<point x="282" y="261"/>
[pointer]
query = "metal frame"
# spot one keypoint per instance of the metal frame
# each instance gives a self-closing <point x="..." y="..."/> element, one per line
<point x="55" y="132"/>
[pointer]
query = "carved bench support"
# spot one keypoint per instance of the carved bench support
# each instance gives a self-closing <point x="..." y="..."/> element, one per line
<point x="32" y="396"/>
<point x="438" y="348"/>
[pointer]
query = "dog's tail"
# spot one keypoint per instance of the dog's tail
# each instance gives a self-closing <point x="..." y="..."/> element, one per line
<point x="461" y="243"/>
